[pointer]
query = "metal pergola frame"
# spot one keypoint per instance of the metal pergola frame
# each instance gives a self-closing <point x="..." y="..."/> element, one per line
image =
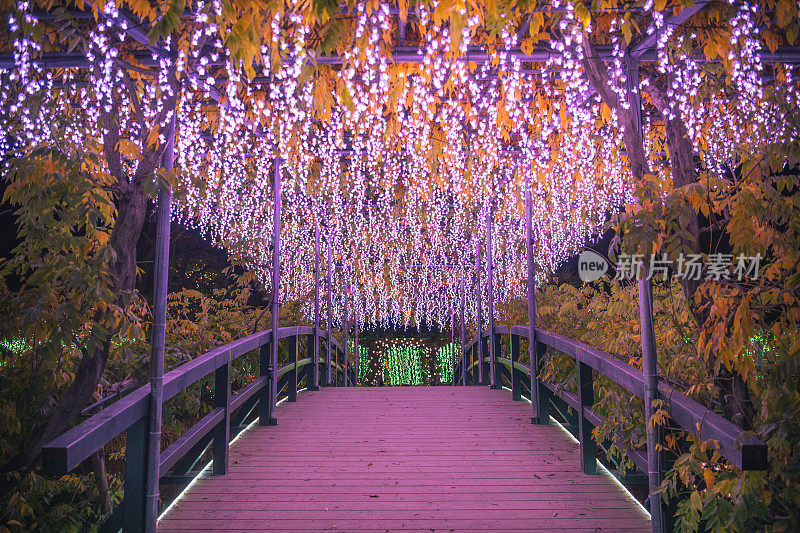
<point x="643" y="51"/>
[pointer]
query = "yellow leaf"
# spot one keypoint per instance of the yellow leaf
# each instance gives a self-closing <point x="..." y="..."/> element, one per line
<point x="527" y="46"/>
<point x="152" y="137"/>
<point x="627" y="32"/>
<point x="403" y="8"/>
<point x="708" y="476"/>
<point x="605" y="111"/>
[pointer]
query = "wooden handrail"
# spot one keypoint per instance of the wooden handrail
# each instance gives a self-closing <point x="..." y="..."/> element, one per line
<point x="69" y="450"/>
<point x="739" y="447"/>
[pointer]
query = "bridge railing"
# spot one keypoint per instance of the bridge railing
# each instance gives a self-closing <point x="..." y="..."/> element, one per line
<point x="736" y="445"/>
<point x="231" y="413"/>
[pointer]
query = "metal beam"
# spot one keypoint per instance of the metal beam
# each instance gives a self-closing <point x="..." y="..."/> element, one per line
<point x="56" y="60"/>
<point x="647" y="45"/>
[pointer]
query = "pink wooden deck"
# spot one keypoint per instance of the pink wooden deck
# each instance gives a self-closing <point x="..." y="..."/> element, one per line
<point x="405" y="459"/>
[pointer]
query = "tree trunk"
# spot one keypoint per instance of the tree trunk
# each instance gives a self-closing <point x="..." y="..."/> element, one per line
<point x="131" y="209"/>
<point x="734" y="394"/>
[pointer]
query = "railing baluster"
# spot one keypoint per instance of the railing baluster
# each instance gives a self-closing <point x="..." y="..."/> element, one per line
<point x="265" y="417"/>
<point x="292" y="385"/>
<point x="476" y="364"/>
<point x="498" y="351"/>
<point x="484" y="366"/>
<point x="339" y="366"/>
<point x="516" y="377"/>
<point x="312" y="370"/>
<point x="540" y="394"/>
<point x="222" y="431"/>
<point x="470" y="367"/>
<point x="135" y="460"/>
<point x="586" y="399"/>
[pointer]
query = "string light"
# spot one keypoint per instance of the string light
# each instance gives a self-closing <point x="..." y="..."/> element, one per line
<point x="397" y="163"/>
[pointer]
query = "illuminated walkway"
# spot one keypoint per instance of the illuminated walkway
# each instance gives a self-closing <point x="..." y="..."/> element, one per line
<point x="409" y="459"/>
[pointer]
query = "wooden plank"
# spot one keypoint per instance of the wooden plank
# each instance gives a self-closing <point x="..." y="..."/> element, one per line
<point x="405" y="458"/>
<point x="366" y="504"/>
<point x="322" y="524"/>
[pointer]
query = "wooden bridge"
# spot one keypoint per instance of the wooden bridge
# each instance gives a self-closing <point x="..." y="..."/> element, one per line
<point x="350" y="458"/>
<point x="410" y="459"/>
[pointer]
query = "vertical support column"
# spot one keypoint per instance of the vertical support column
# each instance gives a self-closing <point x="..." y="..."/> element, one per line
<point x="310" y="353"/>
<point x="272" y="419"/>
<point x="452" y="345"/>
<point x="355" y="342"/>
<point x="222" y="431"/>
<point x="469" y="357"/>
<point x="346" y="333"/>
<point x="650" y="395"/>
<point x="538" y="414"/>
<point x="542" y="392"/>
<point x="340" y="366"/>
<point x="485" y="365"/>
<point x="475" y="377"/>
<point x="478" y="368"/>
<point x="264" y="354"/>
<point x="461" y="352"/>
<point x="133" y="504"/>
<point x="494" y="373"/>
<point x="496" y="340"/>
<point x="328" y="297"/>
<point x="586" y="399"/>
<point x="313" y="382"/>
<point x="516" y="377"/>
<point x="291" y="385"/>
<point x="646" y="328"/>
<point x="157" y="344"/>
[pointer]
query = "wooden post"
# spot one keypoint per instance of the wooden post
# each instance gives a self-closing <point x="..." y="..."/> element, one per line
<point x="158" y="342"/>
<point x="496" y="340"/>
<point x="339" y="371"/>
<point x="133" y="503"/>
<point x="222" y="431"/>
<point x="516" y="378"/>
<point x="292" y="383"/>
<point x="586" y="400"/>
<point x="494" y="375"/>
<point x="485" y="365"/>
<point x="311" y="353"/>
<point x="542" y="392"/>
<point x="272" y="418"/>
<point x="264" y="354"/>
